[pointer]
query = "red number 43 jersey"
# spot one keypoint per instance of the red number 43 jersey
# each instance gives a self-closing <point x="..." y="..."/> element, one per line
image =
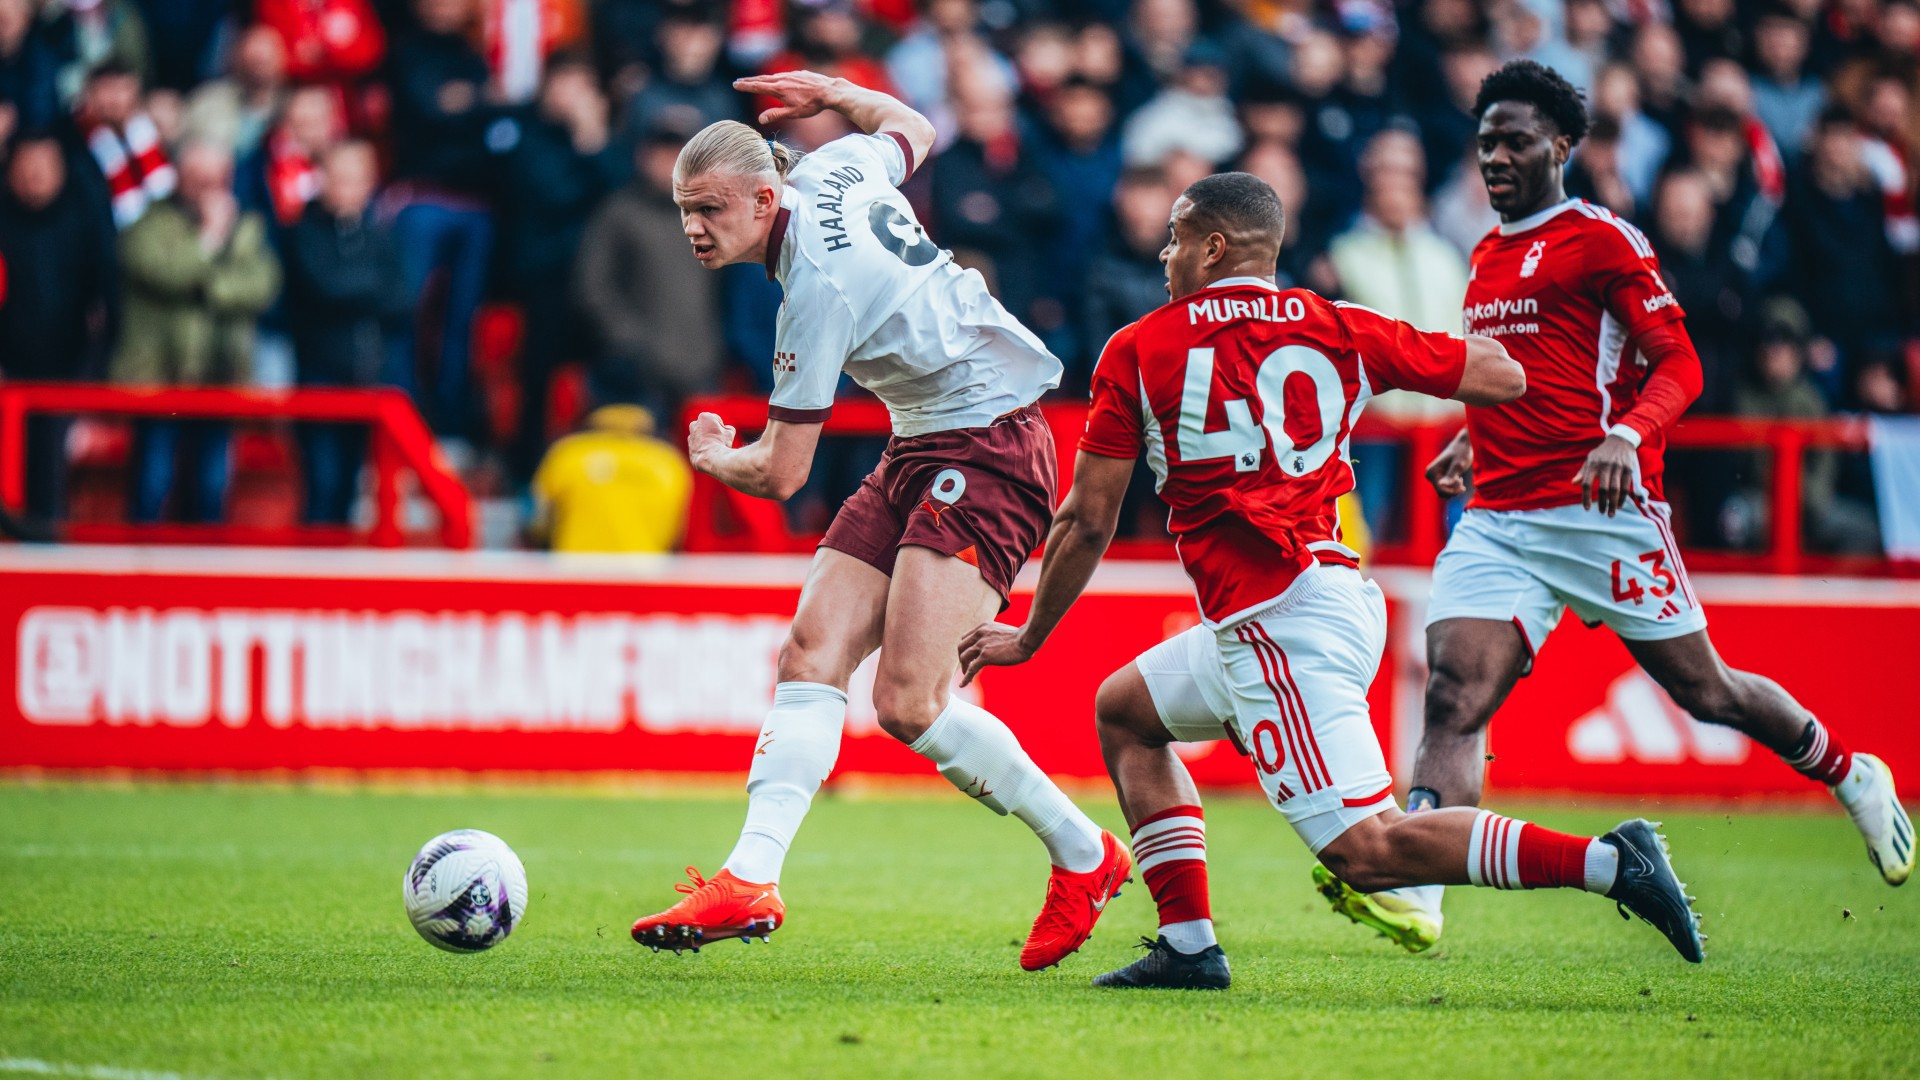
<point x="1243" y="397"/>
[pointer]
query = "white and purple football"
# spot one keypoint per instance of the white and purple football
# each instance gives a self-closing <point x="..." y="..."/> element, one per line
<point x="466" y="891"/>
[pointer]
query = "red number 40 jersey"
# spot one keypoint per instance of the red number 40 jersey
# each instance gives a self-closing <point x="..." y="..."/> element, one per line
<point x="1243" y="397"/>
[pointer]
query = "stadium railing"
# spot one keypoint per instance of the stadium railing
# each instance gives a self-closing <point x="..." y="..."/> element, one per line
<point x="724" y="520"/>
<point x="398" y="442"/>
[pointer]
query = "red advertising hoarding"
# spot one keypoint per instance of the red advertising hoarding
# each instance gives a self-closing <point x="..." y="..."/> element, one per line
<point x="224" y="660"/>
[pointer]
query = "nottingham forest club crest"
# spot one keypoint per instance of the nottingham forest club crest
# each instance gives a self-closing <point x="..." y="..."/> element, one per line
<point x="1532" y="262"/>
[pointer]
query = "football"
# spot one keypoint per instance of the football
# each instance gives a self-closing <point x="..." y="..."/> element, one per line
<point x="466" y="891"/>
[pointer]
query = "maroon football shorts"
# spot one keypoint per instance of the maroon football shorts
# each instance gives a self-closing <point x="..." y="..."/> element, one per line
<point x="984" y="495"/>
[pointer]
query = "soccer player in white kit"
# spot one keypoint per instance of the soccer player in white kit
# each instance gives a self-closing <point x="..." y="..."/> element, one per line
<point x="1242" y="397"/>
<point x="928" y="546"/>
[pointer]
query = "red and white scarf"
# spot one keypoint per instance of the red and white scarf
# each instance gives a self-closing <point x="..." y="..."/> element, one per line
<point x="292" y="180"/>
<point x="518" y="39"/>
<point x="1890" y="170"/>
<point x="135" y="164"/>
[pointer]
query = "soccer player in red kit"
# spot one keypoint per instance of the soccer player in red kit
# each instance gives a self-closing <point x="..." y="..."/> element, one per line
<point x="1243" y="396"/>
<point x="1567" y="509"/>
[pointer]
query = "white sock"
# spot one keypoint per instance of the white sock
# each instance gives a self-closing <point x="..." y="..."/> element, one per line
<point x="1425" y="897"/>
<point x="1603" y="866"/>
<point x="1857" y="786"/>
<point x="978" y="755"/>
<point x="799" y="743"/>
<point x="1191" y="936"/>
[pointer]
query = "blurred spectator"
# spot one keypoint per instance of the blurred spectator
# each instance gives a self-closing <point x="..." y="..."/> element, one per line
<point x="1461" y="212"/>
<point x="442" y="176"/>
<point x="688" y="82"/>
<point x="1844" y="268"/>
<point x="1661" y="64"/>
<point x="1786" y="97"/>
<point x="1643" y="145"/>
<point x="344" y="295"/>
<point x="1778" y="388"/>
<point x="330" y="42"/>
<point x="1079" y="153"/>
<point x="1581" y="47"/>
<point x="1303" y="245"/>
<point x="1126" y="280"/>
<point x="181" y="37"/>
<point x="197" y="272"/>
<point x="828" y="38"/>
<point x="277" y="181"/>
<point x="918" y="65"/>
<point x="235" y="111"/>
<point x="1746" y="192"/>
<point x="58" y="298"/>
<point x="649" y="307"/>
<point x="1447" y="123"/>
<point x="29" y="70"/>
<point x="1594" y="174"/>
<point x="87" y="34"/>
<point x="1704" y="279"/>
<point x="1392" y="260"/>
<point x="521" y="35"/>
<point x="1327" y="146"/>
<point x="564" y="165"/>
<point x="1191" y="115"/>
<point x="992" y="203"/>
<point x="132" y="166"/>
<point x="1708" y="30"/>
<point x="1159" y="34"/>
<point x="282" y="176"/>
<point x="613" y="487"/>
<point x="1887" y="147"/>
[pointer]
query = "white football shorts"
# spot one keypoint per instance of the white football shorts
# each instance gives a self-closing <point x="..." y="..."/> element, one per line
<point x="1528" y="566"/>
<point x="1289" y="687"/>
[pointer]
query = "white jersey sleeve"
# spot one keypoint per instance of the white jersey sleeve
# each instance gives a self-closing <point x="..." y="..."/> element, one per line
<point x="809" y="352"/>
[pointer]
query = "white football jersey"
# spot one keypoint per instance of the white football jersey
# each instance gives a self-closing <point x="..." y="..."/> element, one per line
<point x="867" y="292"/>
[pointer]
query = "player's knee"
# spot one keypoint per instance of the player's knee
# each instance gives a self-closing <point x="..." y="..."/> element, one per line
<point x="904" y="711"/>
<point x="1458" y="702"/>
<point x="1123" y="713"/>
<point x="804" y="660"/>
<point x="1362" y="859"/>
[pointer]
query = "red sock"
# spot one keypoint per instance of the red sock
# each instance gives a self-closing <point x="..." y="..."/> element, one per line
<point x="1508" y="854"/>
<point x="1819" y="756"/>
<point x="1171" y="852"/>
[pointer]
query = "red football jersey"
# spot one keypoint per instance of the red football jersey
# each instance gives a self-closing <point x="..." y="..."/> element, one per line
<point x="1566" y="291"/>
<point x="1243" y="397"/>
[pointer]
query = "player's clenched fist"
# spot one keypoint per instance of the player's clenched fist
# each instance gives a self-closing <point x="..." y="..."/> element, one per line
<point x="805" y="93"/>
<point x="707" y="438"/>
<point x="991" y="645"/>
<point x="1448" y="472"/>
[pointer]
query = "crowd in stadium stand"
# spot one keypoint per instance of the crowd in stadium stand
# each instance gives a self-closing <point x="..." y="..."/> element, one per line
<point x="340" y="193"/>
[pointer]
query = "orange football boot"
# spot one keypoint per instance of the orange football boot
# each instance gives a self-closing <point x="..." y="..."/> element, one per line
<point x="1074" y="903"/>
<point x="715" y="909"/>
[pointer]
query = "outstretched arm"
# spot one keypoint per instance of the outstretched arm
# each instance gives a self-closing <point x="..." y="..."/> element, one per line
<point x="773" y="467"/>
<point x="807" y="93"/>
<point x="1082" y="529"/>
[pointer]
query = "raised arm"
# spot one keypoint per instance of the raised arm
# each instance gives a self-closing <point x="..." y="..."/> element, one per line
<point x="1082" y="529"/>
<point x="808" y="93"/>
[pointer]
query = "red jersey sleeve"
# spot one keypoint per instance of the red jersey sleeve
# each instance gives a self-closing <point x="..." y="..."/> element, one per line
<point x="1626" y="276"/>
<point x="1396" y="356"/>
<point x="1113" y="423"/>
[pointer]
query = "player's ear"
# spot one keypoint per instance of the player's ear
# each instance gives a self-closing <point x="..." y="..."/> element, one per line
<point x="1216" y="248"/>
<point x="1562" y="149"/>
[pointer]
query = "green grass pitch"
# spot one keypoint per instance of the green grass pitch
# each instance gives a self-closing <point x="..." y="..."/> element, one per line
<point x="227" y="931"/>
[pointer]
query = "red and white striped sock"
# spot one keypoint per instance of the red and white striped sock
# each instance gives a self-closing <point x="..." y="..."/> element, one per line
<point x="1504" y="853"/>
<point x="1170" y="851"/>
<point x="1819" y="756"/>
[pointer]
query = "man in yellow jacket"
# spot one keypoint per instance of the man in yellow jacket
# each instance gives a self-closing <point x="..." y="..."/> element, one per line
<point x="611" y="487"/>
